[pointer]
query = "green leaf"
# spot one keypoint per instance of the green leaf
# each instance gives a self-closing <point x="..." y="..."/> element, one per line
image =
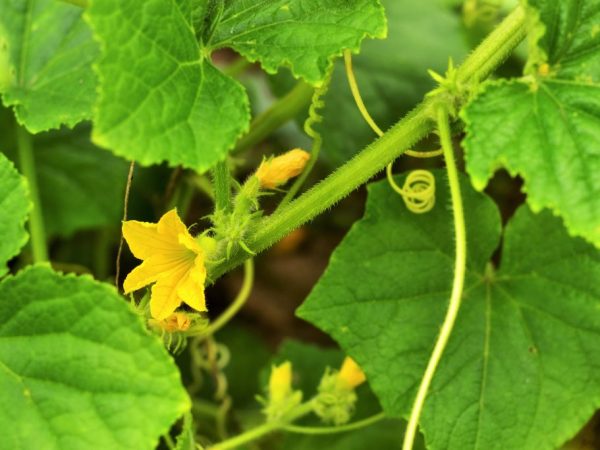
<point x="303" y="34"/>
<point x="14" y="209"/>
<point x="81" y="186"/>
<point x="522" y="367"/>
<point x="546" y="126"/>
<point x="159" y="98"/>
<point x="185" y="440"/>
<point x="391" y="74"/>
<point x="77" y="368"/>
<point x="46" y="52"/>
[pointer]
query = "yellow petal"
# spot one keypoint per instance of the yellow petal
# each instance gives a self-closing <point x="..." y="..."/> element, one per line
<point x="154" y="268"/>
<point x="191" y="288"/>
<point x="147" y="239"/>
<point x="164" y="299"/>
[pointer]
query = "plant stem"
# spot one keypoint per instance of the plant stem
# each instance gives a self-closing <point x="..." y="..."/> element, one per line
<point x="222" y="186"/>
<point x="339" y="429"/>
<point x="36" y="220"/>
<point x="279" y="113"/>
<point x="235" y="306"/>
<point x="457" y="285"/>
<point x="266" y="428"/>
<point x="413" y="127"/>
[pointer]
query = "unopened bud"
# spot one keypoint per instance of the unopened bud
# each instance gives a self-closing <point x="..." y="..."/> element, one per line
<point x="280" y="382"/>
<point x="177" y="321"/>
<point x="277" y="171"/>
<point x="350" y="375"/>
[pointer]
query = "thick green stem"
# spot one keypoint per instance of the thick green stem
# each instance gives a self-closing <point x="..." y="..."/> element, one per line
<point x="278" y="114"/>
<point x="36" y="220"/>
<point x="416" y="125"/>
<point x="222" y="186"/>
<point x="264" y="429"/>
<point x="460" y="265"/>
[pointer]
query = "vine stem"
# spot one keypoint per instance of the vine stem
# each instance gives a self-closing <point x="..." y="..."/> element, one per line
<point x="236" y="305"/>
<point x="266" y="428"/>
<point x="460" y="264"/>
<point x="36" y="220"/>
<point x="416" y="125"/>
<point x="339" y="429"/>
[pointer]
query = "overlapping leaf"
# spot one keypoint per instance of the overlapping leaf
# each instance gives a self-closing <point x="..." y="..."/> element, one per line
<point x="77" y="368"/>
<point x="304" y="34"/>
<point x="14" y="209"/>
<point x="46" y="52"/>
<point x="546" y="126"/>
<point x="160" y="100"/>
<point x="522" y="367"/>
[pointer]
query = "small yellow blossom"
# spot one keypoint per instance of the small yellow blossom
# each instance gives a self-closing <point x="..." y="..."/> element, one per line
<point x="177" y="321"/>
<point x="280" y="382"/>
<point x="172" y="259"/>
<point x="351" y="375"/>
<point x="277" y="171"/>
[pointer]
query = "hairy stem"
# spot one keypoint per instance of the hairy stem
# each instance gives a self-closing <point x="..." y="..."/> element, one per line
<point x="278" y="114"/>
<point x="416" y="125"/>
<point x="36" y="220"/>
<point x="460" y="264"/>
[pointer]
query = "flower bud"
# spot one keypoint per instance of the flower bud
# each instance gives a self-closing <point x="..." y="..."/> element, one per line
<point x="350" y="375"/>
<point x="282" y="398"/>
<point x="277" y="171"/>
<point x="177" y="321"/>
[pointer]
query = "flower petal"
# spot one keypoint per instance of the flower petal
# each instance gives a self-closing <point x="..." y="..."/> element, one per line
<point x="164" y="299"/>
<point x="191" y="287"/>
<point x="147" y="239"/>
<point x="156" y="267"/>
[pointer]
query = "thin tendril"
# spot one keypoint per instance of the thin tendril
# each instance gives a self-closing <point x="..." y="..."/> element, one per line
<point x="125" y="204"/>
<point x="365" y="113"/>
<point x="418" y="191"/>
<point x="457" y="285"/>
<point x="313" y="118"/>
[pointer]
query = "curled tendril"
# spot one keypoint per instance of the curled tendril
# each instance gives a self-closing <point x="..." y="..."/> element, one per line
<point x="418" y="191"/>
<point x="317" y="103"/>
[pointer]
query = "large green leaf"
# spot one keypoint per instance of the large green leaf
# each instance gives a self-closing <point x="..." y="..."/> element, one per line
<point x="77" y="368"/>
<point x="522" y="368"/>
<point x="14" y="209"/>
<point x="546" y="126"/>
<point x="46" y="52"/>
<point x="81" y="186"/>
<point x="159" y="98"/>
<point x="303" y="34"/>
<point x="391" y="74"/>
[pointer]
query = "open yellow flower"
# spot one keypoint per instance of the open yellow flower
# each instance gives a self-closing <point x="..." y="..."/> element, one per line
<point x="172" y="259"/>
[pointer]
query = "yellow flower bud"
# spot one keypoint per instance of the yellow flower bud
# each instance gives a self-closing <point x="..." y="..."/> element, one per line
<point x="280" y="382"/>
<point x="277" y="171"/>
<point x="351" y="375"/>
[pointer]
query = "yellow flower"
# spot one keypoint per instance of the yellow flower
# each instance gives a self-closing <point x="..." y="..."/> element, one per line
<point x="280" y="382"/>
<point x="277" y="171"/>
<point x="351" y="375"/>
<point x="172" y="259"/>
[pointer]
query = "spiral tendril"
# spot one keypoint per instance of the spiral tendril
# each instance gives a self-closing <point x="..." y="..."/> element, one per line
<point x="418" y="191"/>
